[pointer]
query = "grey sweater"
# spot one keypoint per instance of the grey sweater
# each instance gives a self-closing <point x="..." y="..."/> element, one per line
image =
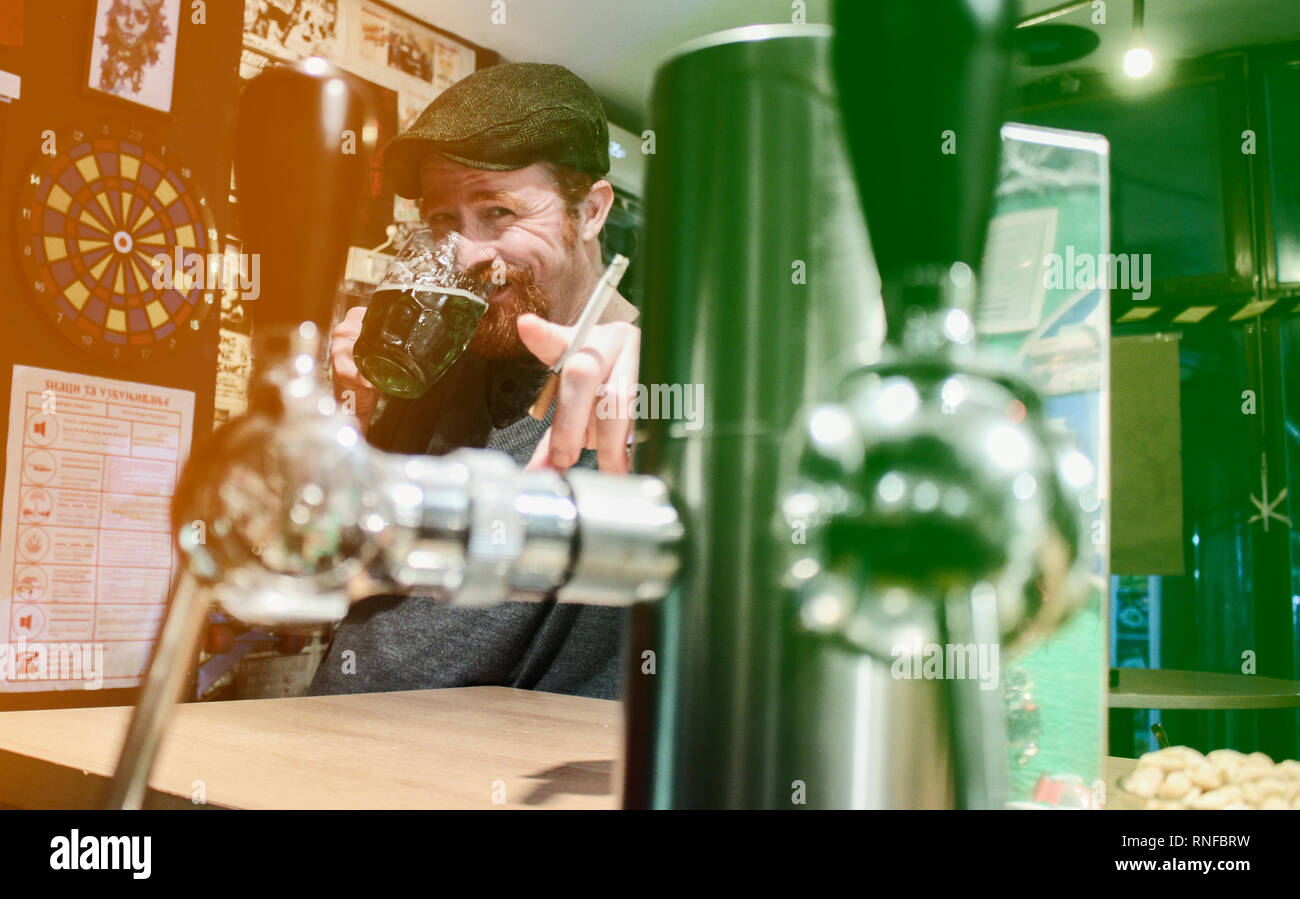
<point x="415" y="643"/>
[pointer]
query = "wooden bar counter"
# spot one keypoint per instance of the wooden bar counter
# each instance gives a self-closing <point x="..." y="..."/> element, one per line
<point x="453" y="749"/>
<point x="424" y="749"/>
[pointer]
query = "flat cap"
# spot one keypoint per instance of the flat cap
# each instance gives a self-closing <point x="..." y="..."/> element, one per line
<point x="505" y="117"/>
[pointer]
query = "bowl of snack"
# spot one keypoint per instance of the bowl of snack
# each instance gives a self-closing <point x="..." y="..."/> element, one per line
<point x="1180" y="777"/>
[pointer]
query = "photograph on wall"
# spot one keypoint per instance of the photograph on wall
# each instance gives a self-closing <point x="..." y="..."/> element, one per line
<point x="452" y="62"/>
<point x="133" y="50"/>
<point x="403" y="45"/>
<point x="292" y="29"/>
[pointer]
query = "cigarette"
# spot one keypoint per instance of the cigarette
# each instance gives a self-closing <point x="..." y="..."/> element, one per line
<point x="591" y="313"/>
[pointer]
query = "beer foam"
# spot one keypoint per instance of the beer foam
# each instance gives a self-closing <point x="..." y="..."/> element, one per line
<point x="456" y="291"/>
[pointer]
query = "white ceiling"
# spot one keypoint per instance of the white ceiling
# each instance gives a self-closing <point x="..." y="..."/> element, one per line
<point x="615" y="45"/>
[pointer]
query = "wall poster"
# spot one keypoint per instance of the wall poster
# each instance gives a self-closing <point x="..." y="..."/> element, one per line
<point x="86" y="552"/>
<point x="133" y="52"/>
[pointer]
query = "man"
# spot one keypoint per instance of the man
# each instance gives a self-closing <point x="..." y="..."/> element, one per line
<point x="514" y="158"/>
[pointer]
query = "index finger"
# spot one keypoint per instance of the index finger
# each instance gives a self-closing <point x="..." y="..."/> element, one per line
<point x="545" y="340"/>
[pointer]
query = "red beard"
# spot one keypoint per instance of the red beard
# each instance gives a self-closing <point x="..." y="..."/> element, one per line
<point x="497" y="336"/>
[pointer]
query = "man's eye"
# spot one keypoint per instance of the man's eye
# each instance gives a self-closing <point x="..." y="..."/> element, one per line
<point x="497" y="212"/>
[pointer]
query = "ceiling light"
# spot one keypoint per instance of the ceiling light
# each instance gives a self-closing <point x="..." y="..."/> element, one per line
<point x="1138" y="61"/>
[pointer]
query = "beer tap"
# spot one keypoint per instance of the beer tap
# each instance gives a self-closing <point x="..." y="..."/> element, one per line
<point x="286" y="516"/>
<point x="851" y="505"/>
<point x="939" y="505"/>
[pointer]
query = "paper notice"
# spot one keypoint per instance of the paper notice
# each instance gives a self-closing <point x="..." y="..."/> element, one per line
<point x="86" y="553"/>
<point x="1011" y="298"/>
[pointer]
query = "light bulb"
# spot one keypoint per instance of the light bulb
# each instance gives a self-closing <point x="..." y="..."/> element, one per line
<point x="1138" y="62"/>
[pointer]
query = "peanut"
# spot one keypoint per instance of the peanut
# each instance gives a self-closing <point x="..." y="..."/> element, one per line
<point x="1144" y="781"/>
<point x="1289" y="768"/>
<point x="1221" y="756"/>
<point x="1256" y="791"/>
<point x="1171" y="758"/>
<point x="1220" y="798"/>
<point x="1176" y="785"/>
<point x="1206" y="776"/>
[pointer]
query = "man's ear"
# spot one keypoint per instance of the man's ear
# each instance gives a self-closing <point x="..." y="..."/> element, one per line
<point x="595" y="209"/>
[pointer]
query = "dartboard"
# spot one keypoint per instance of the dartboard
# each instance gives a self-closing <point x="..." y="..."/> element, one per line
<point x="118" y="247"/>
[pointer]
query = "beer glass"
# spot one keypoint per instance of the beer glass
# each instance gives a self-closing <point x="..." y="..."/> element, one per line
<point x="421" y="318"/>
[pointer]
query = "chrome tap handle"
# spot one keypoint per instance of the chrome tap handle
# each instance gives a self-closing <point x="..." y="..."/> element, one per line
<point x="472" y="528"/>
<point x="290" y="516"/>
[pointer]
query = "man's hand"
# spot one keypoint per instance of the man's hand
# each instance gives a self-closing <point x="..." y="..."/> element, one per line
<point x="610" y="360"/>
<point x="346" y="376"/>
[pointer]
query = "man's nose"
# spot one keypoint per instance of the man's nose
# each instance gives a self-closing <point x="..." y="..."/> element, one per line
<point x="474" y="256"/>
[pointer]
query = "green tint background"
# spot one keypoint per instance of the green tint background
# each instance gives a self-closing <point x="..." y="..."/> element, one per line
<point x="1063" y="677"/>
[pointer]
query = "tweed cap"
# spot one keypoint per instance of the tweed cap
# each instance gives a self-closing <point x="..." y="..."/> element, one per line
<point x="505" y="117"/>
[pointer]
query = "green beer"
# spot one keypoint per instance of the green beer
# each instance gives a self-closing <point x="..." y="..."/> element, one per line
<point x="421" y="318"/>
<point x="410" y="337"/>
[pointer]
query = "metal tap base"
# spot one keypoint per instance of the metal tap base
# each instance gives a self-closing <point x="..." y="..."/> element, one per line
<point x="162" y="688"/>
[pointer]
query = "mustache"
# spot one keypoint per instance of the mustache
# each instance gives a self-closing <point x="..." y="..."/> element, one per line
<point x="496" y="335"/>
<point x="489" y="279"/>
